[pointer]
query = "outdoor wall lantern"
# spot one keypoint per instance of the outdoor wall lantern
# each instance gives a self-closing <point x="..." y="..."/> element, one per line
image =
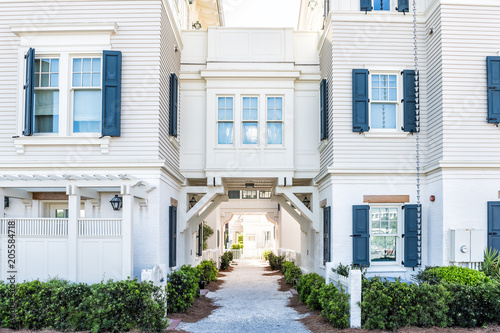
<point x="192" y="202"/>
<point x="197" y="25"/>
<point x="306" y="202"/>
<point x="116" y="202"/>
<point x="249" y="185"/>
<point x="5" y="202"/>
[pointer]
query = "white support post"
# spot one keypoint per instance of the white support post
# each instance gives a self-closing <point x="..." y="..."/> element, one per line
<point x="2" y="211"/>
<point x="127" y="223"/>
<point x="355" y="299"/>
<point x="73" y="214"/>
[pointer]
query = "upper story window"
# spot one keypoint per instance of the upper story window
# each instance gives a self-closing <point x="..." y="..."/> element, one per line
<point x="382" y="4"/>
<point x="225" y="117"/>
<point x="250" y="118"/>
<point x="46" y="93"/>
<point x="274" y="120"/>
<point x="87" y="101"/>
<point x="384" y="104"/>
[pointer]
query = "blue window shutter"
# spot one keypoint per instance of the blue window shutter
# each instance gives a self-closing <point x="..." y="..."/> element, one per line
<point x="324" y="109"/>
<point x="111" y="92"/>
<point x="366" y="5"/>
<point x="327" y="229"/>
<point x="172" y="243"/>
<point x="174" y="104"/>
<point x="200" y="240"/>
<point x="411" y="236"/>
<point x="493" y="66"/>
<point x="409" y="101"/>
<point x="29" y="92"/>
<point x="361" y="235"/>
<point x="494" y="225"/>
<point x="403" y="5"/>
<point x="360" y="101"/>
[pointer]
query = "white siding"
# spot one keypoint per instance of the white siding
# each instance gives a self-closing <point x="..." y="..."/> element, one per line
<point x="326" y="64"/>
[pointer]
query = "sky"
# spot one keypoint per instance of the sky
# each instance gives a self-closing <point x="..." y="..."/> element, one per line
<point x="261" y="13"/>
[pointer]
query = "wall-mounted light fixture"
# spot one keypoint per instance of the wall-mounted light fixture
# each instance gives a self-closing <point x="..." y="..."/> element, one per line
<point x="249" y="185"/>
<point x="192" y="202"/>
<point x="197" y="25"/>
<point x="6" y="202"/>
<point x="306" y="202"/>
<point x="116" y="202"/>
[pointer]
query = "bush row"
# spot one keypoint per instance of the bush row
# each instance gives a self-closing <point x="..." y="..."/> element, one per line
<point x="112" y="306"/>
<point x="184" y="285"/>
<point x="225" y="260"/>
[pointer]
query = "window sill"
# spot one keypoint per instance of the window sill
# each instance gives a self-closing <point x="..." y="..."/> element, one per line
<point x="23" y="141"/>
<point x="386" y="134"/>
<point x="396" y="268"/>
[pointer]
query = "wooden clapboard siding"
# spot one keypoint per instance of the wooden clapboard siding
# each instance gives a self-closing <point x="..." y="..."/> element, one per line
<point x="363" y="41"/>
<point x="138" y="37"/>
<point x="470" y="33"/>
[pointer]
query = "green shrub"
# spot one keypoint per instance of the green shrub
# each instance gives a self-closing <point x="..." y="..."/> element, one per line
<point x="225" y="260"/>
<point x="266" y="254"/>
<point x="451" y="274"/>
<point x="342" y="270"/>
<point x="307" y="283"/>
<point x="491" y="263"/>
<point x="236" y="246"/>
<point x="276" y="262"/>
<point x="59" y="305"/>
<point x="472" y="306"/>
<point x="208" y="271"/>
<point x="313" y="300"/>
<point x="182" y="288"/>
<point x="391" y="305"/>
<point x="334" y="305"/>
<point x="291" y="272"/>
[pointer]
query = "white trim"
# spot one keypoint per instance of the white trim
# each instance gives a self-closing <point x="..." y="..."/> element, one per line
<point x="385" y="134"/>
<point x="94" y="140"/>
<point x="22" y="29"/>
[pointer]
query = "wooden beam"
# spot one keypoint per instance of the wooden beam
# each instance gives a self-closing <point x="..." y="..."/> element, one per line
<point x="50" y="196"/>
<point x="386" y="198"/>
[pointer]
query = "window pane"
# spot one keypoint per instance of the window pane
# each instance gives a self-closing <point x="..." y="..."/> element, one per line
<point x="54" y="80"/>
<point x="87" y="111"/>
<point x="274" y="108"/>
<point x="222" y="103"/>
<point x="225" y="131"/>
<point x="383" y="248"/>
<point x="225" y="108"/>
<point x="86" y="80"/>
<point x="96" y="80"/>
<point x="96" y="65"/>
<point x="45" y="65"/>
<point x="249" y="111"/>
<point x="375" y="79"/>
<point x="37" y="80"/>
<point x="46" y="111"/>
<point x="45" y="80"/>
<point x="77" y="65"/>
<point x="270" y="103"/>
<point x="86" y="65"/>
<point x="250" y="133"/>
<point x="383" y="116"/>
<point x="382" y="4"/>
<point x="274" y="133"/>
<point x="77" y="80"/>
<point x="54" y="65"/>
<point x="37" y="65"/>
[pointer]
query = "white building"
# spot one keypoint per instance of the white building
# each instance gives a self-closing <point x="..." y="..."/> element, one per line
<point x="185" y="120"/>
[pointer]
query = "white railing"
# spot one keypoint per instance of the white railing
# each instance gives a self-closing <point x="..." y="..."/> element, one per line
<point x="99" y="227"/>
<point x="237" y="253"/>
<point x="213" y="255"/>
<point x="352" y="286"/>
<point x="291" y="255"/>
<point x="36" y="226"/>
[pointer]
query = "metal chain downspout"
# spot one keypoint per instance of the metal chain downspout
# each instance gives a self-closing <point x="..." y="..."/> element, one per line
<point x="417" y="125"/>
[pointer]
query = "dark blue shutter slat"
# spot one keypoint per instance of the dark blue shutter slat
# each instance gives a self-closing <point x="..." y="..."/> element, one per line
<point x="111" y="92"/>
<point x="403" y="5"/>
<point x="360" y="101"/>
<point x="174" y="104"/>
<point x="366" y="5"/>
<point x="409" y="101"/>
<point x="411" y="236"/>
<point x="494" y="225"/>
<point x="493" y="67"/>
<point x="200" y="239"/>
<point x="361" y="235"/>
<point x="324" y="109"/>
<point x="326" y="235"/>
<point x="172" y="251"/>
<point x="29" y="92"/>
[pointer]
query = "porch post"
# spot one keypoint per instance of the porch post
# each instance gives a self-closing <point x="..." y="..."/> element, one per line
<point x="73" y="214"/>
<point x="127" y="223"/>
<point x="2" y="211"/>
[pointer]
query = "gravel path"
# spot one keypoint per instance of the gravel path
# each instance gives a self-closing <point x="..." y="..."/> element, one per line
<point x="250" y="302"/>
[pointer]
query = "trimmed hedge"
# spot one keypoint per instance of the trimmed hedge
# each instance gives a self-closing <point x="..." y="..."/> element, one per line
<point x="334" y="305"/>
<point x="307" y="283"/>
<point x="451" y="274"/>
<point x="266" y="254"/>
<point x="291" y="272"/>
<point x="57" y="304"/>
<point x="225" y="260"/>
<point x="276" y="262"/>
<point x="182" y="287"/>
<point x="208" y="271"/>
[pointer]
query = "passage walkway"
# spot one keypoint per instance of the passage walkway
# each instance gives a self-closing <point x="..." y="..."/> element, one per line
<point x="250" y="302"/>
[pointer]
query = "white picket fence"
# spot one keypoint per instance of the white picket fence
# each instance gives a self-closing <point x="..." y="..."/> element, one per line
<point x="291" y="255"/>
<point x="36" y="226"/>
<point x="99" y="227"/>
<point x="352" y="286"/>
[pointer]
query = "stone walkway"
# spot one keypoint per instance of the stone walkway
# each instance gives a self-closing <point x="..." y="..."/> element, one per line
<point x="250" y="302"/>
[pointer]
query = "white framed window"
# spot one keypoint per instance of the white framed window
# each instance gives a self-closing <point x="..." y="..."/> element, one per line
<point x="225" y="120"/>
<point x="385" y="234"/>
<point x="249" y="194"/>
<point x="46" y="87"/>
<point x="274" y="120"/>
<point x="86" y="90"/>
<point x="265" y="194"/>
<point x="385" y="109"/>
<point x="382" y="5"/>
<point x="250" y="120"/>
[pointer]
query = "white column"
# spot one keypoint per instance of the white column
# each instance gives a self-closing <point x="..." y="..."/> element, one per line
<point x="2" y="211"/>
<point x="73" y="215"/>
<point x="355" y="291"/>
<point x="127" y="241"/>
